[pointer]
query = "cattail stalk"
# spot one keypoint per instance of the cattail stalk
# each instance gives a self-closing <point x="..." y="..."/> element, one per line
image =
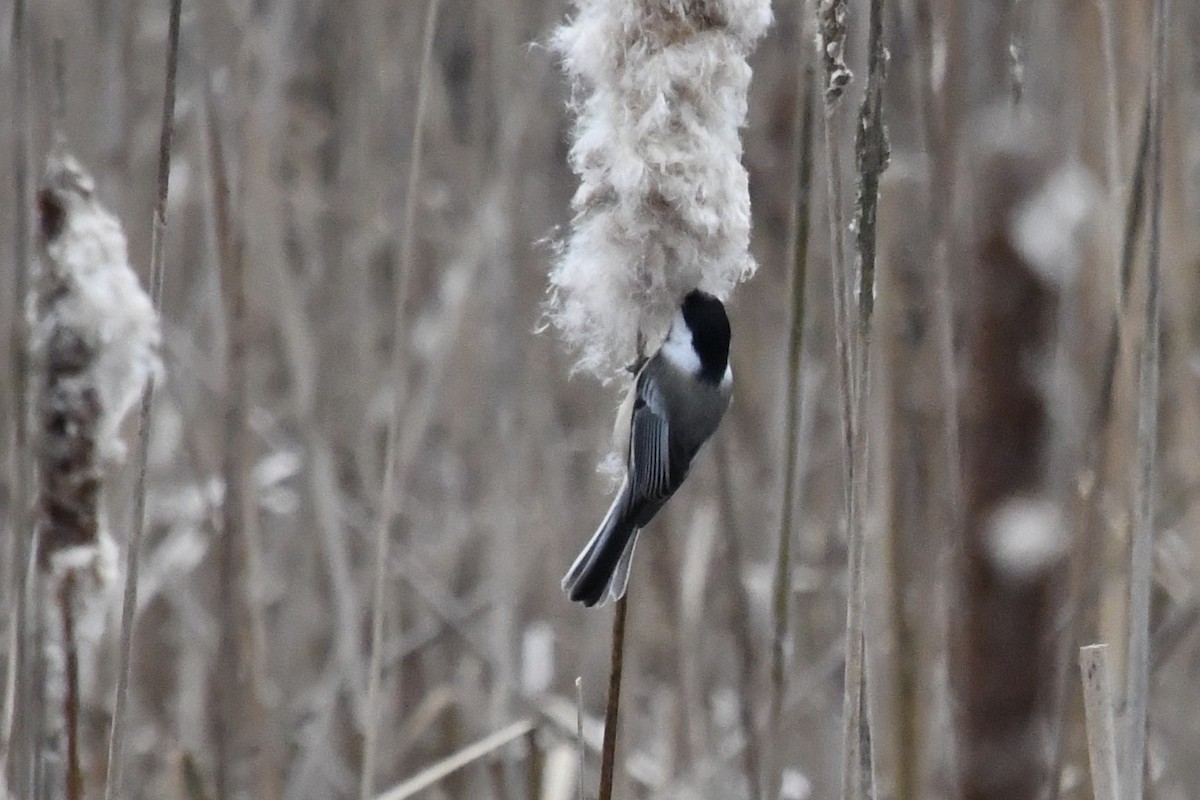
<point x="1018" y="442"/>
<point x="612" y="705"/>
<point x="95" y="346"/>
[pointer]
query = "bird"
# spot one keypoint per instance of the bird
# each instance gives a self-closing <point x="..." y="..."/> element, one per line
<point x="678" y="398"/>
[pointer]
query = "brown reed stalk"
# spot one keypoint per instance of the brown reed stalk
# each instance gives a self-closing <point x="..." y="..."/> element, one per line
<point x="871" y="157"/>
<point x="799" y="227"/>
<point x="853" y="342"/>
<point x="940" y="115"/>
<point x="66" y="605"/>
<point x="17" y="725"/>
<point x="742" y="634"/>
<point x="1141" y="569"/>
<point x="580" y="744"/>
<point x="831" y="22"/>
<point x="231" y="696"/>
<point x="113" y="788"/>
<point x="908" y="364"/>
<point x="388" y="501"/>
<point x="612" y="705"/>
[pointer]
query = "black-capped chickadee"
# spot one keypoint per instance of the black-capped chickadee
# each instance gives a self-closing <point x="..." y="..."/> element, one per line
<point x="674" y="406"/>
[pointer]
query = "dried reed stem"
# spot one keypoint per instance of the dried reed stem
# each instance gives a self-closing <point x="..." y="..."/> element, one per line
<point x="66" y="603"/>
<point x="451" y="764"/>
<point x="743" y="636"/>
<point x="872" y="152"/>
<point x="1112" y="135"/>
<point x="580" y="742"/>
<point x="230" y="545"/>
<point x="940" y="117"/>
<point x="1141" y="570"/>
<point x="388" y="501"/>
<point x="1101" y="730"/>
<point x="799" y="228"/>
<point x="1103" y="431"/>
<point x="1136" y="207"/>
<point x="116" y="743"/>
<point x="612" y="705"/>
<point x="833" y="32"/>
<point x="19" y="729"/>
<point x="871" y="156"/>
<point x="844" y="336"/>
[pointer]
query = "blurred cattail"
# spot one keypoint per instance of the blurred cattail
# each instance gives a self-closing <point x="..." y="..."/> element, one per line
<point x="659" y="92"/>
<point x="95" y="340"/>
<point x="94" y="345"/>
<point x="1024" y="211"/>
<point x="95" y="331"/>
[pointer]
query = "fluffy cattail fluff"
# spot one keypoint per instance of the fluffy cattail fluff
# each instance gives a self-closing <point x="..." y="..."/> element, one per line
<point x="94" y="344"/>
<point x="659" y="92"/>
<point x="95" y="331"/>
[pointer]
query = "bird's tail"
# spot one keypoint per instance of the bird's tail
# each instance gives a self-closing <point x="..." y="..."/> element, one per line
<point x="603" y="566"/>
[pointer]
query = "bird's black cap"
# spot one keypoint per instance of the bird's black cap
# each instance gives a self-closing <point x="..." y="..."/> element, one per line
<point x="705" y="317"/>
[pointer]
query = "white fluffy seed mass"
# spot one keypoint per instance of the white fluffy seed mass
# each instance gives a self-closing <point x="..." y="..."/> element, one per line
<point x="91" y="291"/>
<point x="658" y="88"/>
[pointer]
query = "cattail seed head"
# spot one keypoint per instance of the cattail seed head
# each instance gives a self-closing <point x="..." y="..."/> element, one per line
<point x="94" y="344"/>
<point x="658" y="88"/>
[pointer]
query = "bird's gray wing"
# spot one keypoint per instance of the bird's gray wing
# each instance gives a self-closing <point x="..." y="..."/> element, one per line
<point x="649" y="444"/>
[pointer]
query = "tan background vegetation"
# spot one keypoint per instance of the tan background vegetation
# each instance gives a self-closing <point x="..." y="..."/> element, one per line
<point x="315" y="104"/>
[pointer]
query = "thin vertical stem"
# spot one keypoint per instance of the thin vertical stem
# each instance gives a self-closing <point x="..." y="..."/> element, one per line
<point x="1142" y="545"/>
<point x="832" y="40"/>
<point x="1113" y="115"/>
<point x="939" y="129"/>
<point x="116" y="742"/>
<point x="1135" y="208"/>
<point x="580" y="747"/>
<point x="872" y="152"/>
<point x="871" y="156"/>
<point x="612" y="709"/>
<point x="231" y="549"/>
<point x="744" y="638"/>
<point x="66" y="605"/>
<point x="388" y="501"/>
<point x="18" y="728"/>
<point x="800" y="227"/>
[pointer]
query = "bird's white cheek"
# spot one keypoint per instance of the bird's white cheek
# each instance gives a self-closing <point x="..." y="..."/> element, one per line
<point x="678" y="350"/>
<point x="727" y="378"/>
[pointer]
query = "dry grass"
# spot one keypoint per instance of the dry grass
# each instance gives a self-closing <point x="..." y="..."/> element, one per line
<point x="290" y="396"/>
